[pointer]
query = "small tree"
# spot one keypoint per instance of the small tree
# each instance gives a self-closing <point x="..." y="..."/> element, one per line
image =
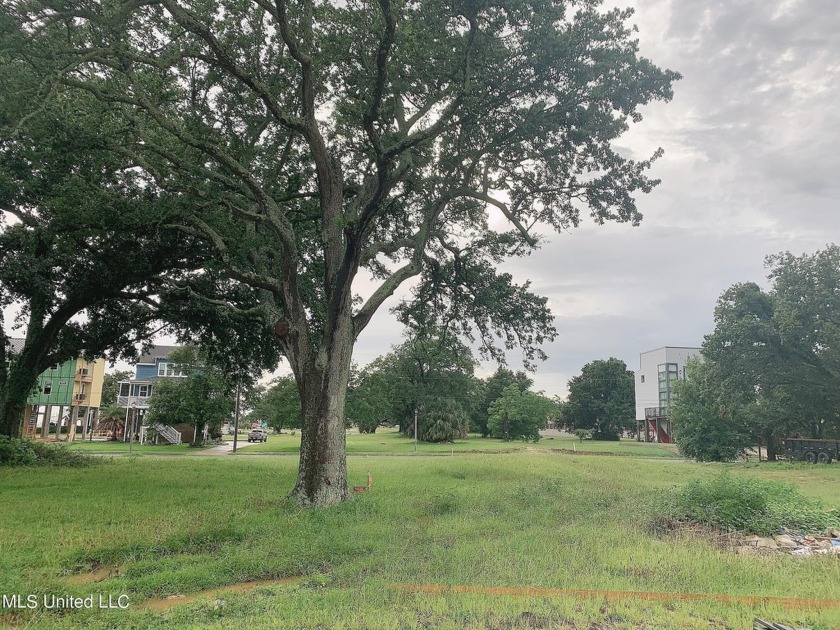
<point x="602" y="399"/>
<point x="518" y="415"/>
<point x="367" y="400"/>
<point x="493" y="388"/>
<point x="707" y="425"/>
<point x="442" y="420"/>
<point x="203" y="398"/>
<point x="279" y="406"/>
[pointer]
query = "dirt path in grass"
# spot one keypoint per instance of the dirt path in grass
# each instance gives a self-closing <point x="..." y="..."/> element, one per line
<point x="752" y="600"/>
<point x="224" y="449"/>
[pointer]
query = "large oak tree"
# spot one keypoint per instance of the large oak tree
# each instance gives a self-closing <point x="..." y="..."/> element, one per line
<point x="326" y="142"/>
<point x="773" y="360"/>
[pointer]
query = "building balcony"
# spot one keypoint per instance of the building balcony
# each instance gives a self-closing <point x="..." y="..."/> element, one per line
<point x="656" y="412"/>
<point x="139" y="402"/>
<point x="83" y="375"/>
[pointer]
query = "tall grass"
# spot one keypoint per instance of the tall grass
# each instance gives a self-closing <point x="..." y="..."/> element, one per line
<point x="178" y="525"/>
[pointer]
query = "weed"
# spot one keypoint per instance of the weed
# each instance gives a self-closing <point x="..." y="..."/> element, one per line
<point x="742" y="503"/>
<point x="21" y="452"/>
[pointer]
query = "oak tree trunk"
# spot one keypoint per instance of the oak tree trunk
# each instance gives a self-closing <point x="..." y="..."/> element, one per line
<point x="322" y="383"/>
<point x="11" y="412"/>
<point x="322" y="472"/>
<point x="19" y="383"/>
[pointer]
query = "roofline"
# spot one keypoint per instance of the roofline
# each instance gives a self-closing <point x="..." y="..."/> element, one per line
<point x="674" y="347"/>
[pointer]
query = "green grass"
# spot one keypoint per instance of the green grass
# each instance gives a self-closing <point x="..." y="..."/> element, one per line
<point x="749" y="504"/>
<point x="519" y="520"/>
<point x="393" y="442"/>
<point x="122" y="447"/>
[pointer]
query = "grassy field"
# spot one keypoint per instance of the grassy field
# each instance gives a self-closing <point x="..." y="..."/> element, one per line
<point x="122" y="447"/>
<point x="391" y="441"/>
<point x="528" y="519"/>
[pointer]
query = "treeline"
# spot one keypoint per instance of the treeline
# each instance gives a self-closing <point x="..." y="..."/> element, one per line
<point x="430" y="380"/>
<point x="771" y="368"/>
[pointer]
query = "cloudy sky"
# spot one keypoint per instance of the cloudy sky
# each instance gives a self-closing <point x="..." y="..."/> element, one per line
<point x="751" y="167"/>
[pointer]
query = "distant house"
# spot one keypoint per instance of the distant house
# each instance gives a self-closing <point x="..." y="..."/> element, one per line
<point x="658" y="371"/>
<point x="135" y="394"/>
<point x="66" y="398"/>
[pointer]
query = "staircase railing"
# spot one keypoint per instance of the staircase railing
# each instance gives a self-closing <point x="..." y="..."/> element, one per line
<point x="170" y="434"/>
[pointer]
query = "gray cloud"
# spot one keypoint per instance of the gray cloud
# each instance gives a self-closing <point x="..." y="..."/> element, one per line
<point x="750" y="168"/>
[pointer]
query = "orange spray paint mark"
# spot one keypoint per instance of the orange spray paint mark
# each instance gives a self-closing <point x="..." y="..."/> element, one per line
<point x="752" y="600"/>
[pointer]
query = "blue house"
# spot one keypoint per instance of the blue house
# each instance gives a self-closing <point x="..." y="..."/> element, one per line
<point x="136" y="393"/>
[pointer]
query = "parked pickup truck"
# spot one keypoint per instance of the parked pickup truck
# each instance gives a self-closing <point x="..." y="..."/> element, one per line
<point x="812" y="451"/>
<point x="258" y="435"/>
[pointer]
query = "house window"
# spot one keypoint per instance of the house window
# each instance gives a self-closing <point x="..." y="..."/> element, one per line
<point x="643" y="378"/>
<point x="47" y="387"/>
<point x="143" y="390"/>
<point x="124" y="389"/>
<point x="169" y="369"/>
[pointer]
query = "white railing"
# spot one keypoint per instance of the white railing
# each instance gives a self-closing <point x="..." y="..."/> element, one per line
<point x="169" y="434"/>
<point x="133" y="401"/>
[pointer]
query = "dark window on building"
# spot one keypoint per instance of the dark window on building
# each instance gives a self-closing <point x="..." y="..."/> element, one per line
<point x="47" y="387"/>
<point x="643" y="378"/>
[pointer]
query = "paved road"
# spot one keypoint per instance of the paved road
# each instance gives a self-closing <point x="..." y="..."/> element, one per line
<point x="224" y="449"/>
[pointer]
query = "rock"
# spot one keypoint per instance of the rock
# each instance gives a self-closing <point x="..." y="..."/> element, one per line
<point x="785" y="541"/>
<point x="766" y="543"/>
<point x="802" y="551"/>
<point x="833" y="532"/>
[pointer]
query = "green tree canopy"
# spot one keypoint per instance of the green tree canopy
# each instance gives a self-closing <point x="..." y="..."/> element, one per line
<point x="774" y="353"/>
<point x="430" y="375"/>
<point x="203" y="398"/>
<point x="493" y="389"/>
<point x="368" y="403"/>
<point x="519" y="415"/>
<point x="318" y="139"/>
<point x="602" y="398"/>
<point x="707" y="427"/>
<point x="278" y="406"/>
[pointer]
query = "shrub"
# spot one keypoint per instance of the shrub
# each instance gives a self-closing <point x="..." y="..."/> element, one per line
<point x="583" y="434"/>
<point x="750" y="505"/>
<point x="20" y="452"/>
<point x="443" y="420"/>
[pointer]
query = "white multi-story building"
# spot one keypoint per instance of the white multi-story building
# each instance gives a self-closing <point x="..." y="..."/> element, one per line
<point x="658" y="371"/>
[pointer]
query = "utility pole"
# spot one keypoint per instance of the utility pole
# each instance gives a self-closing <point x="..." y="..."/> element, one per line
<point x="415" y="429"/>
<point x="236" y="418"/>
<point x="133" y="423"/>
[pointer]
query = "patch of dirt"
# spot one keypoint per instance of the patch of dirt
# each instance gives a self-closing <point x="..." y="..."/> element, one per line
<point x="165" y="603"/>
<point x="570" y="451"/>
<point x="99" y="573"/>
<point x="672" y="529"/>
